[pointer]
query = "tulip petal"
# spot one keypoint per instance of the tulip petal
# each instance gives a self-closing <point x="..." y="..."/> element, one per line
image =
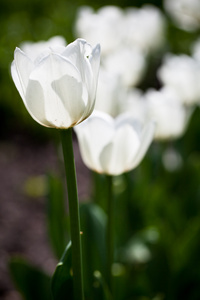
<point x="95" y="64"/>
<point x="94" y="134"/>
<point x="61" y="97"/>
<point x="20" y="71"/>
<point x="76" y="54"/>
<point x="127" y="118"/>
<point x="71" y="93"/>
<point x="85" y="149"/>
<point x="95" y="60"/>
<point x="35" y="103"/>
<point x="146" y="139"/>
<point x="17" y="81"/>
<point x="80" y="53"/>
<point x="116" y="156"/>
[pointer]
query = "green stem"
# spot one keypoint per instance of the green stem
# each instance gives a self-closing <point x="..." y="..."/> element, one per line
<point x="110" y="232"/>
<point x="67" y="145"/>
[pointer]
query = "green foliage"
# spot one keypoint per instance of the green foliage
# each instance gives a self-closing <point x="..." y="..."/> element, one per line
<point x="56" y="215"/>
<point x="93" y="223"/>
<point x="93" y="226"/>
<point x="32" y="282"/>
<point x="160" y="212"/>
<point x="62" y="283"/>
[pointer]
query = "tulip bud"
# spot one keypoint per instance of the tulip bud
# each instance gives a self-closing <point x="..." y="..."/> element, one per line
<point x="113" y="146"/>
<point x="58" y="88"/>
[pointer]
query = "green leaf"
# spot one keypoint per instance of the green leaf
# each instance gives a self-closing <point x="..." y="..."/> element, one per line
<point x="62" y="282"/>
<point x="56" y="216"/>
<point x="93" y="226"/>
<point x="101" y="290"/>
<point x="31" y="282"/>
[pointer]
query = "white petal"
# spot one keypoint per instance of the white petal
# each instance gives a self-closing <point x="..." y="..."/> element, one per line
<point x="95" y="60"/>
<point x="71" y="94"/>
<point x="57" y="84"/>
<point x="127" y="118"/>
<point x="75" y="53"/>
<point x="20" y="70"/>
<point x="93" y="135"/>
<point x="146" y="139"/>
<point x="17" y="81"/>
<point x="80" y="54"/>
<point x="35" y="103"/>
<point x="89" y="157"/>
<point x="116" y="156"/>
<point x="92" y="86"/>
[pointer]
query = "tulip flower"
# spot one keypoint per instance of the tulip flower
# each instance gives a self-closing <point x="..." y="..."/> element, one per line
<point x="113" y="146"/>
<point x="134" y="104"/>
<point x="128" y="63"/>
<point x="170" y="115"/>
<point x="110" y="93"/>
<point x="103" y="26"/>
<point x="184" y="13"/>
<point x="58" y="88"/>
<point x="182" y="74"/>
<point x="145" y="28"/>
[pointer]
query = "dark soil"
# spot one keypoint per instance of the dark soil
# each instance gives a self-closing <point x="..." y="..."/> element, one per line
<point x="23" y="229"/>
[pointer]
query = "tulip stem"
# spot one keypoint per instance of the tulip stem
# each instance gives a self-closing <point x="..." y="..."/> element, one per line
<point x="110" y="232"/>
<point x="67" y="146"/>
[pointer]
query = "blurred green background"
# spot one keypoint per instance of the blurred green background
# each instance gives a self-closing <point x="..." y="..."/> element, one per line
<point x="162" y="211"/>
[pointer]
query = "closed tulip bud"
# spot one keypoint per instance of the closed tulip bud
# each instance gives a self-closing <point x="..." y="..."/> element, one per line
<point x="113" y="146"/>
<point x="58" y="88"/>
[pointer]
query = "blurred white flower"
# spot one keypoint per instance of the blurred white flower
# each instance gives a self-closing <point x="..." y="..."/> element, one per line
<point x="168" y="112"/>
<point x="102" y="26"/>
<point x="144" y="28"/>
<point x="133" y="103"/>
<point x="136" y="252"/>
<point x="113" y="146"/>
<point x="172" y="160"/>
<point x="34" y="49"/>
<point x="110" y="93"/>
<point x="185" y="13"/>
<point x="128" y="63"/>
<point x="181" y="73"/>
<point x="58" y="88"/>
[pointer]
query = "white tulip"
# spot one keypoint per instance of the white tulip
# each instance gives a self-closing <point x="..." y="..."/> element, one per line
<point x="185" y="13"/>
<point x="181" y="73"/>
<point x="113" y="146"/>
<point x="110" y="93"/>
<point x="144" y="28"/>
<point x="168" y="112"/>
<point x="134" y="104"/>
<point x="103" y="26"/>
<point x="58" y="88"/>
<point x="128" y="63"/>
<point x="172" y="159"/>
